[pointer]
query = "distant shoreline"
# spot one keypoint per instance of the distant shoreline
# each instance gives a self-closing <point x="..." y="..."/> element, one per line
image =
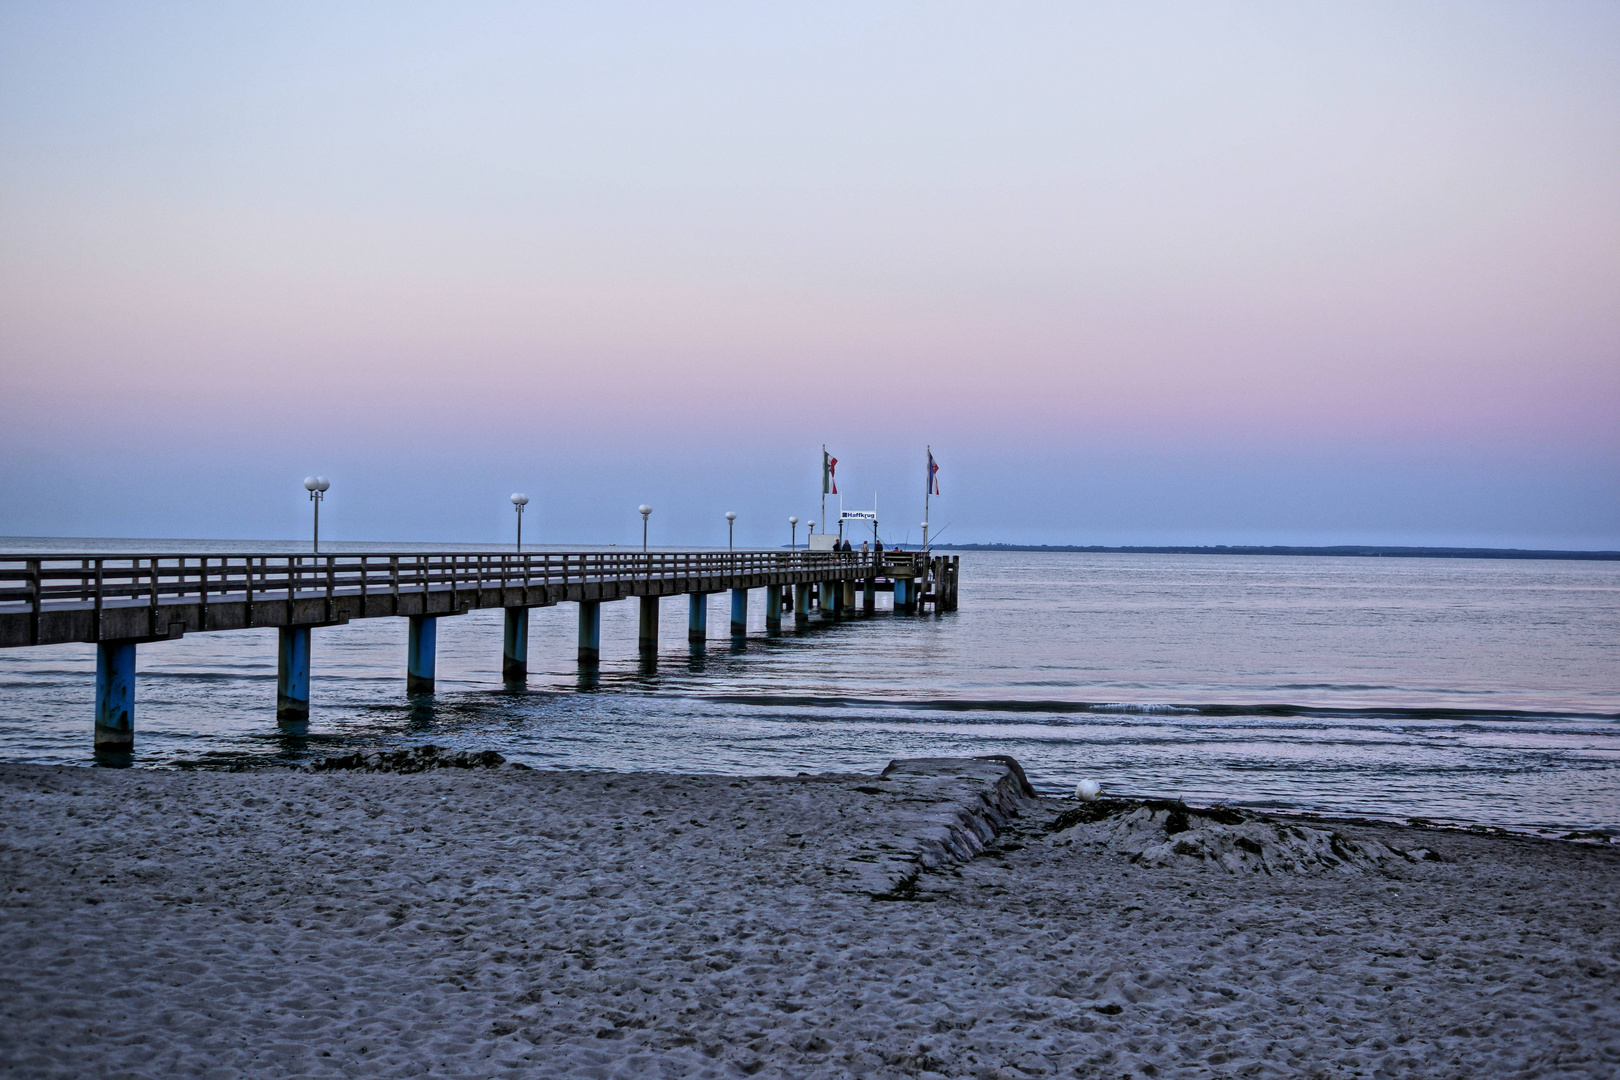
<point x="117" y="547"/>
<point x="1369" y="551"/>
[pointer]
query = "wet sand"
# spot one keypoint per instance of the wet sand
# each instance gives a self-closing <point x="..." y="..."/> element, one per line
<point x="507" y="922"/>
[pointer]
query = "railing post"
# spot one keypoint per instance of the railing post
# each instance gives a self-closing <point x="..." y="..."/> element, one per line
<point x="33" y="572"/>
<point x="100" y="599"/>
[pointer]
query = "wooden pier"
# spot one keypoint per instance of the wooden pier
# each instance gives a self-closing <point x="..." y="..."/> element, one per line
<point x="120" y="601"/>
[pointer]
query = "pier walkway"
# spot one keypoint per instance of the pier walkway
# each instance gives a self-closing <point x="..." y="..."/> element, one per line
<point x="120" y="601"/>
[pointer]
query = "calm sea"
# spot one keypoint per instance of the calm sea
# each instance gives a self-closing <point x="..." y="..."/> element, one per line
<point x="1457" y="690"/>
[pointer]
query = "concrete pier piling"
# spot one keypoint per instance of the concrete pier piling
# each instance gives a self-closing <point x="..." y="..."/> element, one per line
<point x="869" y="596"/>
<point x="647" y="627"/>
<point x="421" y="654"/>
<point x="515" y="646"/>
<point x="697" y="619"/>
<point x="590" y="633"/>
<point x="849" y="597"/>
<point x="115" y="697"/>
<point x="773" y="608"/>
<point x="292" y="679"/>
<point x="801" y="604"/>
<point x="739" y="612"/>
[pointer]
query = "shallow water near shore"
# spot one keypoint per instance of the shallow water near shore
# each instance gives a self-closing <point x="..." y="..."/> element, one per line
<point x="1468" y="691"/>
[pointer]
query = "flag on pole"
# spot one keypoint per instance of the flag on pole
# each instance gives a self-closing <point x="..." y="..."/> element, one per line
<point x="829" y="473"/>
<point x="933" y="476"/>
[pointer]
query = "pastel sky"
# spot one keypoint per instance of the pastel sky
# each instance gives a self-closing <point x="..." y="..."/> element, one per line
<point x="1267" y="272"/>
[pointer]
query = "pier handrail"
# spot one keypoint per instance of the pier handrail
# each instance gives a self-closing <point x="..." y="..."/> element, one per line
<point x="36" y="583"/>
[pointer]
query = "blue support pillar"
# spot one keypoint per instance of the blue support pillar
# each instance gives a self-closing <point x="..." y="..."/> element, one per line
<point x="832" y="596"/>
<point x="647" y="634"/>
<point x="115" y="697"/>
<point x="801" y="602"/>
<point x="697" y="619"/>
<point x="515" y="646"/>
<point x="739" y="612"/>
<point x="869" y="596"/>
<point x="848" y="599"/>
<point x="773" y="609"/>
<point x="292" y="679"/>
<point x="421" y="653"/>
<point x="590" y="633"/>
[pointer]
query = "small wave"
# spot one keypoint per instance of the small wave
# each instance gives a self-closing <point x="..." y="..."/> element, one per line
<point x="1128" y="708"/>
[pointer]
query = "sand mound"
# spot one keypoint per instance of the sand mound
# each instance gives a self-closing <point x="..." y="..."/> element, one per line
<point x="414" y="759"/>
<point x="958" y="807"/>
<point x="1164" y="833"/>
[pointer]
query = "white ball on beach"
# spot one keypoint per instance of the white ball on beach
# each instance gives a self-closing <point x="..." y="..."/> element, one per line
<point x="1087" y="790"/>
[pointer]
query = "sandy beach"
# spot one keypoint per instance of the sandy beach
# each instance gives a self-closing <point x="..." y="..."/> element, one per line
<point x="504" y="922"/>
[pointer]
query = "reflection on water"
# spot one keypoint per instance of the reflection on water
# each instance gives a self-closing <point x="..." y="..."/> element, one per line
<point x="1451" y="689"/>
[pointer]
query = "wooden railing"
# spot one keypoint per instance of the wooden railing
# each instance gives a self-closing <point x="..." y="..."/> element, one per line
<point x="36" y="583"/>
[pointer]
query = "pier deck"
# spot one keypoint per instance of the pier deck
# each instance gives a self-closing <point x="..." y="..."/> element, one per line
<point x="117" y="602"/>
<point x="49" y="599"/>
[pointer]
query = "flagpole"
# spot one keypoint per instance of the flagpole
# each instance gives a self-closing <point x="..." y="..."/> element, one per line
<point x="823" y="487"/>
<point x="927" y="494"/>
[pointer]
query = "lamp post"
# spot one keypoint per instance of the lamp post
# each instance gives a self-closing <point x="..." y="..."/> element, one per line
<point x="316" y="486"/>
<point x="519" y="501"/>
<point x="731" y="528"/>
<point x="644" y="509"/>
<point x="793" y="536"/>
<point x="925" y="537"/>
